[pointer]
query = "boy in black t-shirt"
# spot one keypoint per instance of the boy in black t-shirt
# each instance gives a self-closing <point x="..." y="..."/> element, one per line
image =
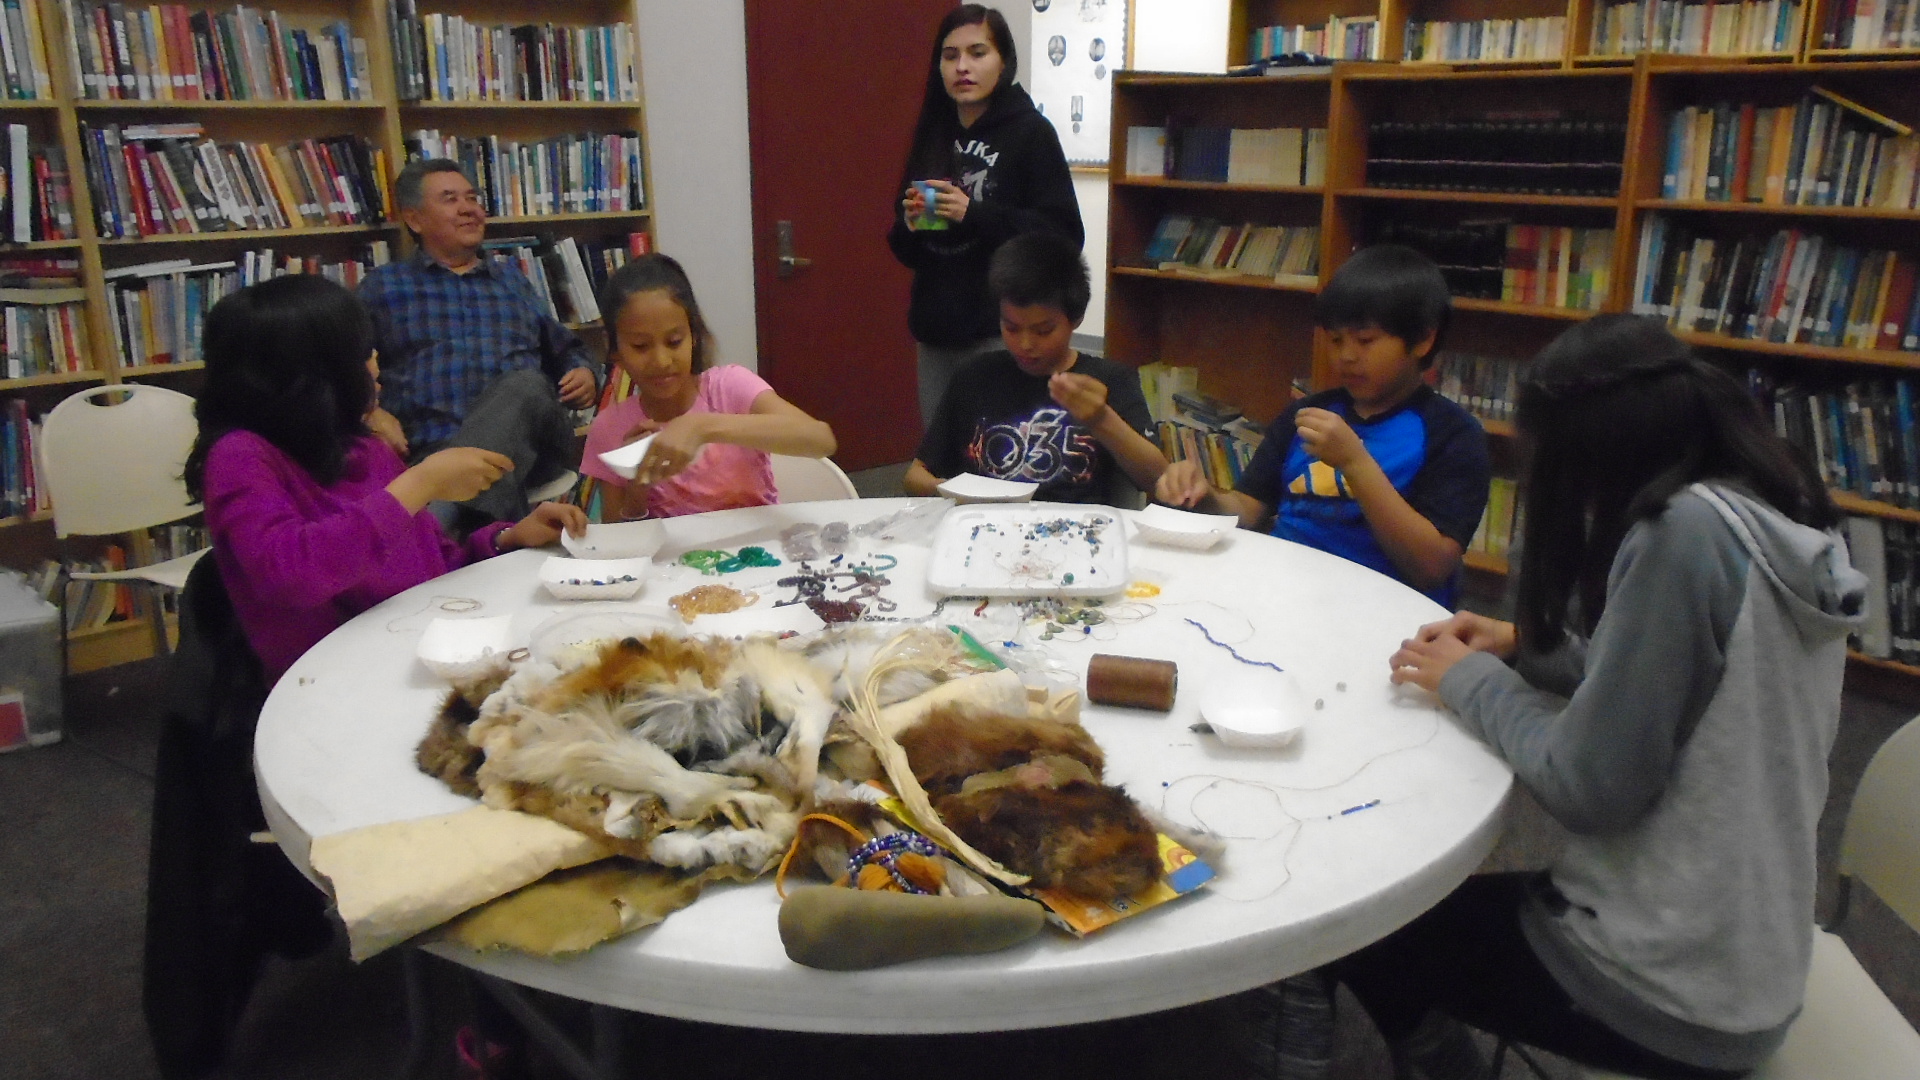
<point x="1039" y="411"/>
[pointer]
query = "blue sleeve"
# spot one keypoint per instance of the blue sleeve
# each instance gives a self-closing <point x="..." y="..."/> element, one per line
<point x="1451" y="488"/>
<point x="1261" y="478"/>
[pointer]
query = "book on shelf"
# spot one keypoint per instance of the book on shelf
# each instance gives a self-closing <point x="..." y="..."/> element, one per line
<point x="1562" y="155"/>
<point x="156" y="179"/>
<point x="165" y="52"/>
<point x="29" y="272"/>
<point x="1824" y="150"/>
<point x="1794" y="286"/>
<point x="43" y="332"/>
<point x="1486" y="386"/>
<point x="1540" y="38"/>
<point x="1872" y="25"/>
<point x="21" y="489"/>
<point x="1286" y="254"/>
<point x="1688" y="27"/>
<point x="23" y="52"/>
<point x="566" y="174"/>
<point x="1354" y="37"/>
<point x="1147" y="151"/>
<point x="1888" y="553"/>
<point x="36" y="191"/>
<point x="1159" y="382"/>
<point x="441" y="57"/>
<point x="568" y="274"/>
<point x="1539" y="265"/>
<point x="1500" y="520"/>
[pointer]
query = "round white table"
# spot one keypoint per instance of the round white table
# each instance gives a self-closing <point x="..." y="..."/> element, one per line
<point x="1301" y="884"/>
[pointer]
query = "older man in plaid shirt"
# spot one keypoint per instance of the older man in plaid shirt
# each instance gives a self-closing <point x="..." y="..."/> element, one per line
<point x="468" y="355"/>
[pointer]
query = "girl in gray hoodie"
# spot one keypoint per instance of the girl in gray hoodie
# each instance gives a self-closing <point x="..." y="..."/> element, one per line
<point x="1669" y="693"/>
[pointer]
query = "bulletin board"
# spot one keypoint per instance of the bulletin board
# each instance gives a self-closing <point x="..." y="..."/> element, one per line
<point x="1074" y="49"/>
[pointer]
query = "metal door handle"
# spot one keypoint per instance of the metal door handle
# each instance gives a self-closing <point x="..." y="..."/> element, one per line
<point x="787" y="261"/>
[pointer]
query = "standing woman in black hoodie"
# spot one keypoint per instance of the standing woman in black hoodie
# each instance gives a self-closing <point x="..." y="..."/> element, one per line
<point x="995" y="170"/>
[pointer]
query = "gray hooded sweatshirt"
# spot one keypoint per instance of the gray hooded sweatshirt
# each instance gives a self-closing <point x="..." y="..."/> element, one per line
<point x="1686" y="747"/>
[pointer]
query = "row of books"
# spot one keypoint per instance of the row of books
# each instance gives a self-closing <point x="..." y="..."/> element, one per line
<point x="1792" y="287"/>
<point x="158" y="309"/>
<point x="1563" y="156"/>
<point x="23" y="53"/>
<point x="1542" y="38"/>
<point x="36" y="192"/>
<point x="451" y="58"/>
<point x="1277" y="157"/>
<point x="1888" y="553"/>
<point x="1826" y="150"/>
<point x="1342" y="38"/>
<point x="154" y="179"/>
<point x="1861" y="435"/>
<point x="1486" y="386"/>
<point x="566" y="174"/>
<point x="163" y="52"/>
<point x="567" y="273"/>
<point x="1695" y="28"/>
<point x="1501" y="520"/>
<point x="1223" y="453"/>
<point x="1204" y="245"/>
<point x="43" y="332"/>
<point x="1866" y="25"/>
<point x="1542" y="265"/>
<point x="39" y="272"/>
<point x="21" y="490"/>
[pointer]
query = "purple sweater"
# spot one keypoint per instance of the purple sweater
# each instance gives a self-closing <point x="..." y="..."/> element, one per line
<point x="300" y="558"/>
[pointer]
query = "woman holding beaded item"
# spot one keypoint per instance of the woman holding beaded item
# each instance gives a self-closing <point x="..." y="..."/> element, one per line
<point x="984" y="167"/>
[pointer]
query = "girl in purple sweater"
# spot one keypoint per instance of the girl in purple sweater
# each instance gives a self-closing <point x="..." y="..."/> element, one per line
<point x="313" y="518"/>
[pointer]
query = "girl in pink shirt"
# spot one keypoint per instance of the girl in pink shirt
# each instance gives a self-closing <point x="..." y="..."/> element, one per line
<point x="713" y="426"/>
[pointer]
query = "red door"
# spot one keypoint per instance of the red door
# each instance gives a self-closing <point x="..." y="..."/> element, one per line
<point x="832" y="94"/>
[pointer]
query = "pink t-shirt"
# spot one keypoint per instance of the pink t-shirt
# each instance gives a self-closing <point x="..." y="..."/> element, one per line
<point x="724" y="476"/>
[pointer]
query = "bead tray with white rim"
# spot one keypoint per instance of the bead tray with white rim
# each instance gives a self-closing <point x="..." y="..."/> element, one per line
<point x="1038" y="549"/>
<point x="593" y="579"/>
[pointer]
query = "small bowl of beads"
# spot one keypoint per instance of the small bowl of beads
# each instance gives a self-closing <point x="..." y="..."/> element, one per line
<point x="593" y="579"/>
<point x="617" y="540"/>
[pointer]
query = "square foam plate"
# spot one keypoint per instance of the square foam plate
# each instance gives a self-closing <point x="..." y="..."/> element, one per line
<point x="464" y="648"/>
<point x="594" y="579"/>
<point x="626" y="459"/>
<point x="1183" y="528"/>
<point x="974" y="488"/>
<point x="618" y="540"/>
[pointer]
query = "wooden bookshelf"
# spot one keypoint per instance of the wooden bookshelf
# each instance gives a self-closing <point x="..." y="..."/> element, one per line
<point x="381" y="116"/>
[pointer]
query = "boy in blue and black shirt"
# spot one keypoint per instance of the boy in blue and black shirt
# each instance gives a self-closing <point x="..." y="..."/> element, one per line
<point x="1381" y="469"/>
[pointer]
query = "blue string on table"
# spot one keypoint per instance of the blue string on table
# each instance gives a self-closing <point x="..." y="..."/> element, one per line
<point x="1208" y="634"/>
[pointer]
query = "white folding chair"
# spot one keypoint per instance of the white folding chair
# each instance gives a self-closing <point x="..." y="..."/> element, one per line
<point x="1847" y="1027"/>
<point x="805" y="479"/>
<point x="115" y="458"/>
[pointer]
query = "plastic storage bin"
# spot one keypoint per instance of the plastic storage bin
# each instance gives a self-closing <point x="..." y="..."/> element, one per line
<point x="29" y="667"/>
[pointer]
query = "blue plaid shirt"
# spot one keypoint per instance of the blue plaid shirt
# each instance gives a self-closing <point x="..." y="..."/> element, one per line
<point x="444" y="336"/>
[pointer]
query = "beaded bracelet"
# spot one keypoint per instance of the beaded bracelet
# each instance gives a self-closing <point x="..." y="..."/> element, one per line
<point x="885" y="852"/>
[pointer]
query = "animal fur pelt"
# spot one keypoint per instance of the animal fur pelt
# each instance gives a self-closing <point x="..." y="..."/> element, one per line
<point x="688" y="752"/>
<point x="1028" y="794"/>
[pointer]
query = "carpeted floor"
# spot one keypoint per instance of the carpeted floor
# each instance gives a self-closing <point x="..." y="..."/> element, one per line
<point x="73" y="838"/>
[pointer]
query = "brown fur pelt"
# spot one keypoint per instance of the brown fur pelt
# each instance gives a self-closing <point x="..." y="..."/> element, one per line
<point x="446" y="752"/>
<point x="1062" y="831"/>
<point x="1088" y="839"/>
<point x="953" y="742"/>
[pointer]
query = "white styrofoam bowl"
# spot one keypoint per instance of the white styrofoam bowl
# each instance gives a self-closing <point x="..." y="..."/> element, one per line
<point x="458" y="650"/>
<point x="594" y="579"/>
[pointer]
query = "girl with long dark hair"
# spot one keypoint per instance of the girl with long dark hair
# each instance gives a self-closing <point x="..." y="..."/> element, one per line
<point x="984" y="167"/>
<point x="313" y="518"/>
<point x="1669" y="693"/>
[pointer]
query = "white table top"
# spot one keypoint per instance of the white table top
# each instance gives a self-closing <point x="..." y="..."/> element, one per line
<point x="336" y="739"/>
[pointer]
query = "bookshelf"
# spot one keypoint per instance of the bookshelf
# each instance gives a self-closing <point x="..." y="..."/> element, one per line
<point x="585" y="63"/>
<point x="1250" y="339"/>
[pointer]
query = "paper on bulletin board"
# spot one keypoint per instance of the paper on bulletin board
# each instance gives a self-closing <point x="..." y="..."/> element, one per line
<point x="1075" y="48"/>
